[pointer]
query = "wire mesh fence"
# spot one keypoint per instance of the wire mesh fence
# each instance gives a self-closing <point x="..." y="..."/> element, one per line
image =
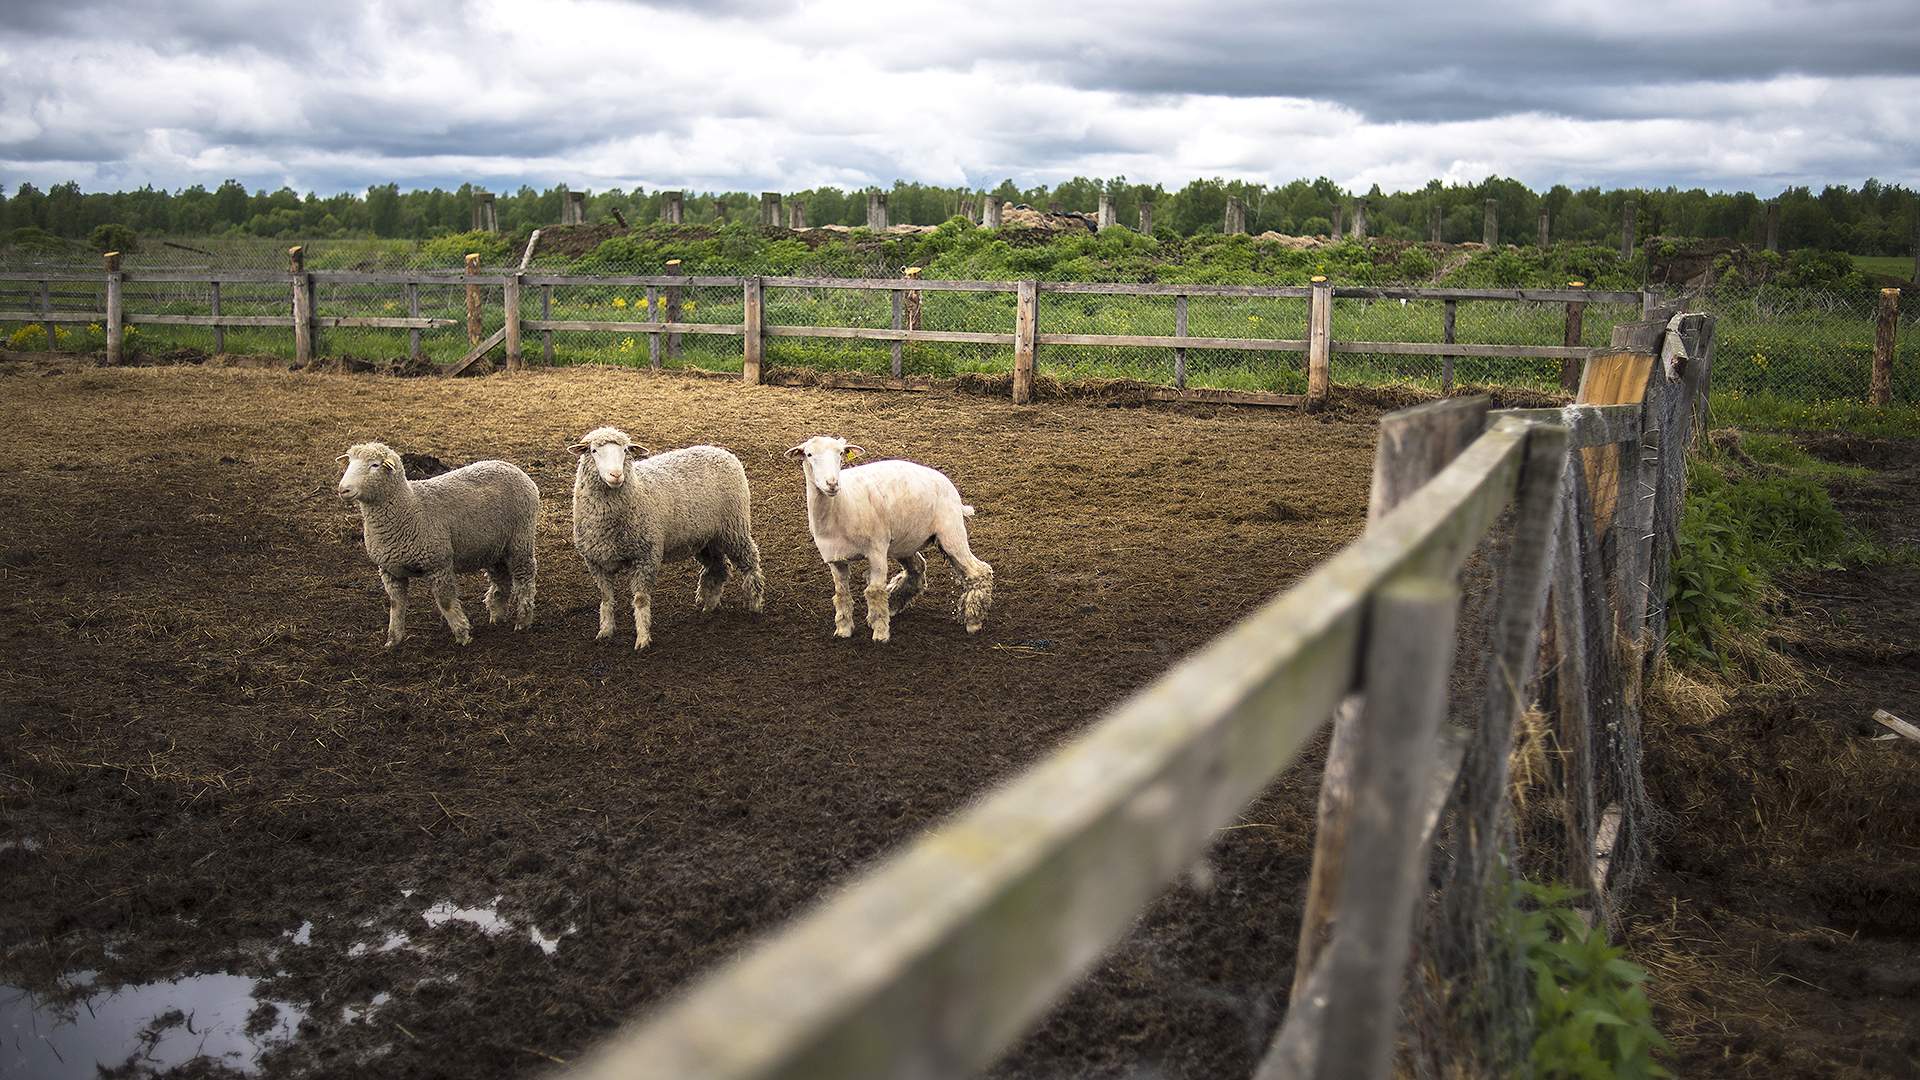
<point x="1796" y="344"/>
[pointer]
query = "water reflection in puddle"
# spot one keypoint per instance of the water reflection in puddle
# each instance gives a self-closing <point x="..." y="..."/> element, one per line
<point x="155" y="1026"/>
<point x="486" y="917"/>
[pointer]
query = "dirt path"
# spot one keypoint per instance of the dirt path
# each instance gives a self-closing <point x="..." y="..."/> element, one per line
<point x="469" y="862"/>
<point x="1784" y="923"/>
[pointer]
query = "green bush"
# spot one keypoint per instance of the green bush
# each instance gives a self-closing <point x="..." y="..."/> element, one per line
<point x="1591" y="1018"/>
<point x="114" y="238"/>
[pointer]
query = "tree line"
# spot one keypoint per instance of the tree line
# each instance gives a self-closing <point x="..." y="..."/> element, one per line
<point x="1872" y="219"/>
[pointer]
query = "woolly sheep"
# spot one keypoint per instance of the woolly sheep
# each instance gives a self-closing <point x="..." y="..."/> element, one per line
<point x="632" y="512"/>
<point x="480" y="517"/>
<point x="883" y="510"/>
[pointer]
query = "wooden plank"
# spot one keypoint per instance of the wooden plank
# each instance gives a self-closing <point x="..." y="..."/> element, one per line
<point x="209" y="320"/>
<point x="675" y="294"/>
<point x="202" y="277"/>
<point x="1588" y="425"/>
<point x="897" y="354"/>
<point x="1686" y="356"/>
<point x="893" y="284"/>
<point x="1320" y="344"/>
<point x="1611" y="377"/>
<point x="934" y="961"/>
<point x="1896" y="725"/>
<point x="510" y="319"/>
<point x="1026" y="328"/>
<point x="1449" y="316"/>
<point x="1543" y="296"/>
<point x="1222" y="397"/>
<point x="116" y="308"/>
<point x="58" y="275"/>
<point x="68" y="317"/>
<point x="1159" y="341"/>
<point x="656" y="280"/>
<point x="473" y="299"/>
<point x="753" y="342"/>
<point x="1573" y="705"/>
<point x="845" y="380"/>
<point x="1121" y="288"/>
<point x="1180" y="352"/>
<point x="213" y="309"/>
<point x="1414" y="446"/>
<point x="403" y="277"/>
<point x="1409" y="656"/>
<point x="1885" y="339"/>
<point x="413" y="335"/>
<point x="651" y="327"/>
<point x="47" y="325"/>
<point x="1435" y="348"/>
<point x="473" y="356"/>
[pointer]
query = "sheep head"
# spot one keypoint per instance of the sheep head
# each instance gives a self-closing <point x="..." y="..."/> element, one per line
<point x="610" y="450"/>
<point x="821" y="457"/>
<point x="372" y="469"/>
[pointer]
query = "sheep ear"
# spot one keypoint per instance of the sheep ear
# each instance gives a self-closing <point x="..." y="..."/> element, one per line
<point x="579" y="448"/>
<point x="852" y="452"/>
<point x="796" y="451"/>
<point x="342" y="457"/>
<point x="636" y="450"/>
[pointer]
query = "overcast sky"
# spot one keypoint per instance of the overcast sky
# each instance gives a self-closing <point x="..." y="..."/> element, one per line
<point x="763" y="94"/>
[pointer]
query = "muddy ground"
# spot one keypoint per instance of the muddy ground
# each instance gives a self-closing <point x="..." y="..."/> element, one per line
<point x="475" y="861"/>
<point x="1782" y="922"/>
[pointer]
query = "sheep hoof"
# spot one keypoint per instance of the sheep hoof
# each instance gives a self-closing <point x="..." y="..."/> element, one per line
<point x="880" y="637"/>
<point x="392" y="643"/>
<point x="604" y="635"/>
<point x="974" y="628"/>
<point x="640" y="643"/>
<point x="843" y="631"/>
<point x="463" y="637"/>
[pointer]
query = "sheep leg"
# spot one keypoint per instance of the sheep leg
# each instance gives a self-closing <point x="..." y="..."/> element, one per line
<point x="907" y="583"/>
<point x="396" y="608"/>
<point x="976" y="590"/>
<point x="523" y="569"/>
<point x="713" y="579"/>
<point x="745" y="557"/>
<point x="842" y="600"/>
<point x="446" y="596"/>
<point x="643" y="604"/>
<point x="605" y="580"/>
<point x="499" y="585"/>
<point x="878" y="616"/>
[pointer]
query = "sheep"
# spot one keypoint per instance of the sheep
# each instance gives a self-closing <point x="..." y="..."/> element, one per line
<point x="633" y="515"/>
<point x="480" y="517"/>
<point x="882" y="510"/>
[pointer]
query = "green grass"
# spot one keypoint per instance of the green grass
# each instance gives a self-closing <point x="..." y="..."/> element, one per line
<point x="1900" y="266"/>
<point x="1770" y="411"/>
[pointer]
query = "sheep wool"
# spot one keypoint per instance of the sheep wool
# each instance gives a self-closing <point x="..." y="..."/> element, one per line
<point x="480" y="517"/>
<point x="633" y="512"/>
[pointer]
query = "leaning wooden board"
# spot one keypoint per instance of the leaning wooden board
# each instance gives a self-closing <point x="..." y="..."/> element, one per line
<point x="1611" y="378"/>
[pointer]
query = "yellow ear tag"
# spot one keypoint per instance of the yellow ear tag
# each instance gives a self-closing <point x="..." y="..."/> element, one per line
<point x="849" y="455"/>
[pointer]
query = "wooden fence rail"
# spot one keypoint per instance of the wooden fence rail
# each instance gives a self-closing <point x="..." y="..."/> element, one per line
<point x="666" y="324"/>
<point x="934" y="962"/>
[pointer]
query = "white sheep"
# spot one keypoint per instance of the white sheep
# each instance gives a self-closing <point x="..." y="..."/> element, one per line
<point x="887" y="510"/>
<point x="481" y="517"/>
<point x="633" y="512"/>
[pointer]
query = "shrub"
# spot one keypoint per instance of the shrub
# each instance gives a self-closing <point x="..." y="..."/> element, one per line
<point x="114" y="238"/>
<point x="1591" y="1017"/>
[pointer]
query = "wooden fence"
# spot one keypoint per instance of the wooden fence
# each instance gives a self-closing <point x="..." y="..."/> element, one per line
<point x="1026" y="336"/>
<point x="931" y="964"/>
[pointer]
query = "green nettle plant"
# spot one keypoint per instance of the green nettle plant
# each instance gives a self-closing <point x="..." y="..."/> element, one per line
<point x="1592" y="1020"/>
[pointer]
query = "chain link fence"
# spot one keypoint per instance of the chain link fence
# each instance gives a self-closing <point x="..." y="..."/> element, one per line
<point x="1796" y="344"/>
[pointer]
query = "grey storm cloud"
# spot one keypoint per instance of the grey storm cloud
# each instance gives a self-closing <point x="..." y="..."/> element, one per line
<point x="789" y="94"/>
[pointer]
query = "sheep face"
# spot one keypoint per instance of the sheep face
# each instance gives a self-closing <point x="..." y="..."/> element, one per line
<point x="611" y="451"/>
<point x="372" y="470"/>
<point x="821" y="458"/>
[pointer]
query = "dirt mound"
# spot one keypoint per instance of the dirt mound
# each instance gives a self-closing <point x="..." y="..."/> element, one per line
<point x="1296" y="243"/>
<point x="1022" y="216"/>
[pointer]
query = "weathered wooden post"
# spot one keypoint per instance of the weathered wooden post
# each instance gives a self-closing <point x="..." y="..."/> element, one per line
<point x="1409" y="655"/>
<point x="876" y="210"/>
<point x="673" y="309"/>
<point x="485" y="219"/>
<point x="965" y="210"/>
<point x="573" y="209"/>
<point x="1433" y="224"/>
<point x="213" y="308"/>
<point x="1773" y="226"/>
<point x="770" y="209"/>
<point x="1105" y="220"/>
<point x="413" y="333"/>
<point x="1179" y="352"/>
<point x="1319" y="344"/>
<point x="1449" y="312"/>
<point x="990" y="211"/>
<point x="1339" y="220"/>
<point x="1026" y="327"/>
<point x="302" y="305"/>
<point x="673" y="207"/>
<point x="1886" y="334"/>
<point x="753" y="336"/>
<point x="906" y="315"/>
<point x="1628" y="219"/>
<point x="46" y="315"/>
<point x="1490" y="224"/>
<point x="1570" y="366"/>
<point x="116" y="312"/>
<point x="510" y="303"/>
<point x="1360" y="219"/>
<point x="1146" y="223"/>
<point x="796" y="215"/>
<point x="1236" y="222"/>
<point x="1544" y="217"/>
<point x="654" y="314"/>
<point x="473" y="299"/>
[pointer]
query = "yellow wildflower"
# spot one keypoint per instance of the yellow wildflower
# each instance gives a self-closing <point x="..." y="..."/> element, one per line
<point x="619" y="301"/>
